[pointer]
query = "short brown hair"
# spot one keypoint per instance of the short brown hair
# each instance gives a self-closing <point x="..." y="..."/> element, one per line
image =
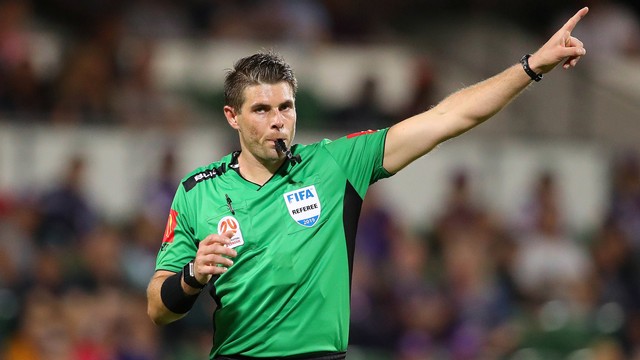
<point x="261" y="68"/>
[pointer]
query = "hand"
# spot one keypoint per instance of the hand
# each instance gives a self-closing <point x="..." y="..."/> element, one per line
<point x="210" y="259"/>
<point x="561" y="47"/>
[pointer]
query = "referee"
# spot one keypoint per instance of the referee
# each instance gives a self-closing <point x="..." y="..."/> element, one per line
<point x="271" y="227"/>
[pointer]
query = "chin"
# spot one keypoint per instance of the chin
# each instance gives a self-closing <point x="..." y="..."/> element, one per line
<point x="272" y="156"/>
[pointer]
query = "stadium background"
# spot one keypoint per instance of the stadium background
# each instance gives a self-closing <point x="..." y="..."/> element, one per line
<point x="519" y="240"/>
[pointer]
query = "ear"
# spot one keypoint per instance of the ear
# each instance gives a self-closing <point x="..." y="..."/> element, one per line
<point x="231" y="116"/>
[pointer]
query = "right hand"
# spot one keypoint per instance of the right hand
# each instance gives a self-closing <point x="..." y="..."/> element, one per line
<point x="210" y="259"/>
<point x="561" y="48"/>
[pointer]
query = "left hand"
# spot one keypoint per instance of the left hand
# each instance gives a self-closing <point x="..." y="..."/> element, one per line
<point x="561" y="47"/>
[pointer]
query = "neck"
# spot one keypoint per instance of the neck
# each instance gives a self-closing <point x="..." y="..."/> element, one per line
<point x="257" y="171"/>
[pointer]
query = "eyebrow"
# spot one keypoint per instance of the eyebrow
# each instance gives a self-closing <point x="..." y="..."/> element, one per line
<point x="268" y="106"/>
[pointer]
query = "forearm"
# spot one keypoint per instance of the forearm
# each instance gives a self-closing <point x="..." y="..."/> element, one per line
<point x="171" y="295"/>
<point x="473" y="105"/>
<point x="156" y="309"/>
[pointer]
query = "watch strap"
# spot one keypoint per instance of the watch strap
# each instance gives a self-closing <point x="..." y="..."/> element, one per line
<point x="188" y="275"/>
<point x="527" y="69"/>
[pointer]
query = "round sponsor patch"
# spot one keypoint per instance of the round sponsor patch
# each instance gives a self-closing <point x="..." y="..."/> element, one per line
<point x="304" y="205"/>
<point x="231" y="223"/>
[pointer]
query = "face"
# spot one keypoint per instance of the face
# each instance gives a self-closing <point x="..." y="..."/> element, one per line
<point x="267" y="114"/>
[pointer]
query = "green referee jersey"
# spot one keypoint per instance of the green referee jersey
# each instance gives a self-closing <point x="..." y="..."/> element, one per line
<point x="288" y="291"/>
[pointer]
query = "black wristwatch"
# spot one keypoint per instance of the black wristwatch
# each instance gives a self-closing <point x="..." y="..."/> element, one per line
<point x="525" y="65"/>
<point x="189" y="276"/>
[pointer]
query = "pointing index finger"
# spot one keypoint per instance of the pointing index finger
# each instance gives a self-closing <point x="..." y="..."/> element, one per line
<point x="571" y="23"/>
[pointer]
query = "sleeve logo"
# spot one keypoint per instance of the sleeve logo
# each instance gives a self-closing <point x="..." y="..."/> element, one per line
<point x="169" y="230"/>
<point x="364" y="132"/>
<point x="304" y="205"/>
<point x="231" y="223"/>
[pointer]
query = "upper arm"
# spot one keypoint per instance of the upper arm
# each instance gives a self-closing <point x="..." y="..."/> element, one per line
<point x="414" y="137"/>
<point x="156" y="309"/>
<point x="159" y="277"/>
<point x="155" y="284"/>
<point x="359" y="156"/>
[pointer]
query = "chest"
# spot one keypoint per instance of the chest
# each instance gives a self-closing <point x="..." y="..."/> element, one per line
<point x="288" y="210"/>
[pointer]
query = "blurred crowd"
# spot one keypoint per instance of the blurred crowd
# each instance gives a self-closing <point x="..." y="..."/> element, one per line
<point x="469" y="285"/>
<point x="90" y="62"/>
<point x="476" y="285"/>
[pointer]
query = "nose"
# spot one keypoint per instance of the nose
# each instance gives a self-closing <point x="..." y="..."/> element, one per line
<point x="277" y="121"/>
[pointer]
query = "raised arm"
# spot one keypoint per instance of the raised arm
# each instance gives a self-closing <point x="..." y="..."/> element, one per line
<point x="412" y="138"/>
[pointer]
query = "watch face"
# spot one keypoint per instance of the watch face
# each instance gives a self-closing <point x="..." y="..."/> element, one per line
<point x="192" y="272"/>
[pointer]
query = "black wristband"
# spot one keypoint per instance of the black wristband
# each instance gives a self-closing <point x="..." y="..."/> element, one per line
<point x="525" y="65"/>
<point x="173" y="296"/>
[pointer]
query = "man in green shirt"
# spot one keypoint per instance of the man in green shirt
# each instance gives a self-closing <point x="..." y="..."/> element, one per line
<point x="272" y="228"/>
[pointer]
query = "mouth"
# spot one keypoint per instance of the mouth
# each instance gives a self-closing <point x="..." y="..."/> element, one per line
<point x="280" y="145"/>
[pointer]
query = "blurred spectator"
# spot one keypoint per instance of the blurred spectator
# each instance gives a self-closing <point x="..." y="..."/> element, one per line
<point x="481" y="307"/>
<point x="617" y="248"/>
<point x="374" y="272"/>
<point x="353" y="21"/>
<point x="42" y="332"/>
<point x="17" y="226"/>
<point x="542" y="196"/>
<point x="460" y="211"/>
<point x="66" y="214"/>
<point x="466" y="237"/>
<point x="77" y="325"/>
<point x="139" y="103"/>
<point x="146" y="228"/>
<point x="94" y="273"/>
<point x="377" y="228"/>
<point x="618" y="281"/>
<point x="153" y="19"/>
<point x="139" y="251"/>
<point x="625" y="197"/>
<point x="85" y="88"/>
<point x="25" y="96"/>
<point x="307" y="21"/>
<point x="617" y="269"/>
<point x="224" y="24"/>
<point x="423" y="96"/>
<point x="22" y="94"/>
<point x="303" y="23"/>
<point x="159" y="190"/>
<point x="549" y="261"/>
<point x="17" y="229"/>
<point x="52" y="277"/>
<point x="77" y="17"/>
<point x="14" y="22"/>
<point x="365" y="112"/>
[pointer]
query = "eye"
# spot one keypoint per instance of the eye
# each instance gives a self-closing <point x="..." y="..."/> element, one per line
<point x="285" y="106"/>
<point x="260" y="109"/>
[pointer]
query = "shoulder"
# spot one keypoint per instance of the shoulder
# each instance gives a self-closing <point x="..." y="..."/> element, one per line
<point x="307" y="148"/>
<point x="360" y="139"/>
<point x="205" y="173"/>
